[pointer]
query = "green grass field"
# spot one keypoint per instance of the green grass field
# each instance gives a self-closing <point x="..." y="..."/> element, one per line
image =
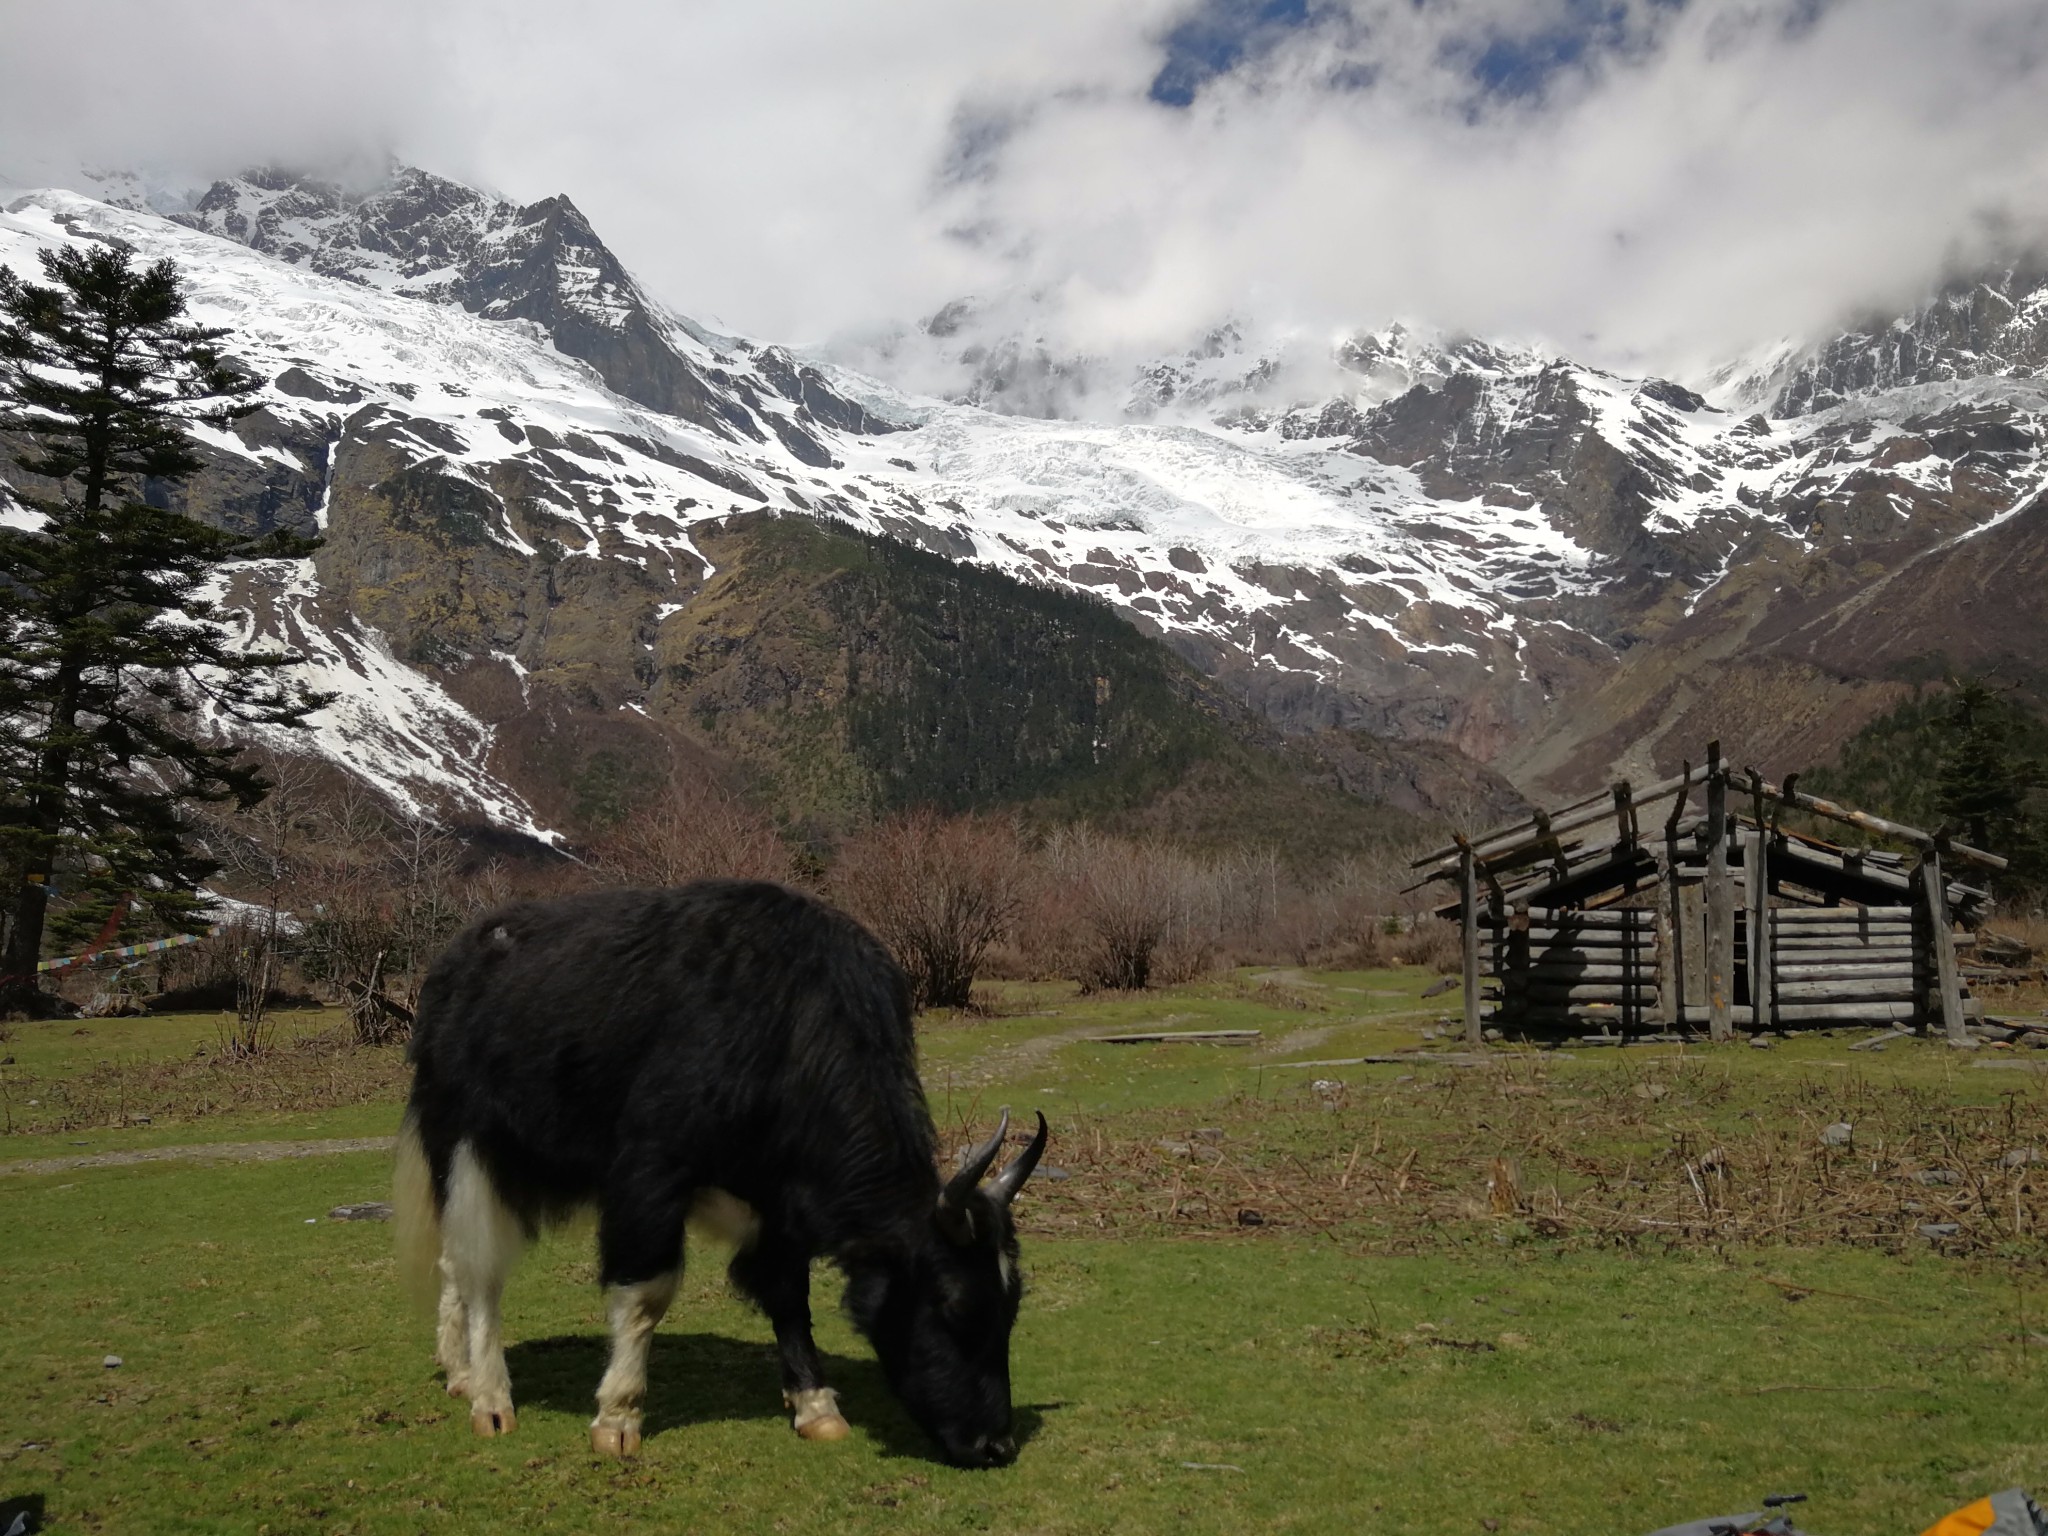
<point x="1414" y="1296"/>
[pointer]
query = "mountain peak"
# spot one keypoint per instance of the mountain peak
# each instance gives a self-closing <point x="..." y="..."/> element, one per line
<point x="424" y="236"/>
<point x="1987" y="323"/>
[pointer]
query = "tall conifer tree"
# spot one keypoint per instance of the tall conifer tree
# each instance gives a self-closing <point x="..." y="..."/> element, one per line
<point x="112" y="656"/>
<point x="1989" y="774"/>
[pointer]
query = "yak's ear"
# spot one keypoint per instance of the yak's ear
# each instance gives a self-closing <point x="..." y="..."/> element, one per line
<point x="955" y="1222"/>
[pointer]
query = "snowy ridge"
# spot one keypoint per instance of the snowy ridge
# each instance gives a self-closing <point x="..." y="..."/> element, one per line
<point x="1428" y="535"/>
<point x="1991" y="324"/>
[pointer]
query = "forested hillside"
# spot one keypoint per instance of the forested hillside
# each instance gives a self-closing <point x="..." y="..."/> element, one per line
<point x="1968" y="754"/>
<point x="856" y="675"/>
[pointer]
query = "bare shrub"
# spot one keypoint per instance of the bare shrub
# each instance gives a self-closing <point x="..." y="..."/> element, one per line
<point x="199" y="976"/>
<point x="428" y="901"/>
<point x="1198" y="915"/>
<point x="383" y="912"/>
<point x="938" y="891"/>
<point x="376" y="897"/>
<point x="349" y="940"/>
<point x="1433" y="942"/>
<point x="261" y="850"/>
<point x="696" y="831"/>
<point x="1115" y="915"/>
<point x="1268" y="914"/>
<point x="1369" y="950"/>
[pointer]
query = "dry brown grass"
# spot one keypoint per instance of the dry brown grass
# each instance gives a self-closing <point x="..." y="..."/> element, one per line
<point x="1427" y="941"/>
<point x="1667" y="1153"/>
<point x="2021" y="991"/>
<point x="313" y="1072"/>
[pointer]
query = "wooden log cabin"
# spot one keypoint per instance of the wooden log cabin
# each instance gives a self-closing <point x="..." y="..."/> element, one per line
<point x="1692" y="905"/>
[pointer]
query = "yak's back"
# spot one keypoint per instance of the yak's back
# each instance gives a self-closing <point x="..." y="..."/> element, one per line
<point x="715" y="1014"/>
<point x="623" y="964"/>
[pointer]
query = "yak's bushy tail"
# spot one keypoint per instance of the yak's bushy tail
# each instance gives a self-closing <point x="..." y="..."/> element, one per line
<point x="415" y="1219"/>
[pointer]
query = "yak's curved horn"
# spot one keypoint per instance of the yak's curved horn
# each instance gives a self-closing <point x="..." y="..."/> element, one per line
<point x="1006" y="1184"/>
<point x="963" y="1183"/>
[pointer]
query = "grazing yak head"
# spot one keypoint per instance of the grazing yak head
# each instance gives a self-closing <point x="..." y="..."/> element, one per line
<point x="940" y="1316"/>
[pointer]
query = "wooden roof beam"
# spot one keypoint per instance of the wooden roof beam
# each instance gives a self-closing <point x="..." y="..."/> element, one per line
<point x="1863" y="820"/>
<point x="1539" y="829"/>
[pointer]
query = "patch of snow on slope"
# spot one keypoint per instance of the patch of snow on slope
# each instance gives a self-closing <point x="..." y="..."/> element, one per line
<point x="392" y="727"/>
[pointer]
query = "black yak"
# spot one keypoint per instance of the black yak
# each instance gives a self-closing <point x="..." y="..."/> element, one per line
<point x="726" y="1050"/>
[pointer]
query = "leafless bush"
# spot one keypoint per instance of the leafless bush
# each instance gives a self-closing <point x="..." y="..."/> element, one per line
<point x="938" y="892"/>
<point x="1198" y="916"/>
<point x="200" y="975"/>
<point x="1121" y="916"/>
<point x="262" y="850"/>
<point x="377" y="909"/>
<point x="428" y="900"/>
<point x="1369" y="951"/>
<point x="1431" y="942"/>
<point x="697" y="831"/>
<point x="349" y="942"/>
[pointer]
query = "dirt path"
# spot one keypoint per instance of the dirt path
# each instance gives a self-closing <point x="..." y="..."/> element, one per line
<point x="1312" y="1035"/>
<point x="205" y="1152"/>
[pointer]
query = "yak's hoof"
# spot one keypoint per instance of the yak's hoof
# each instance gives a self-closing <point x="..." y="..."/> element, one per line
<point x="493" y="1421"/>
<point x="815" y="1412"/>
<point x="619" y="1440"/>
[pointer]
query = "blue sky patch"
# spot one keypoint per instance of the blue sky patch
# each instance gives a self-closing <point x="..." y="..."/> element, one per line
<point x="1218" y="36"/>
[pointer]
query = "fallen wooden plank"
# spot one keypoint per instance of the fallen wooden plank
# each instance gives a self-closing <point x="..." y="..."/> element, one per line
<point x="1405" y="1058"/>
<point x="1877" y="1040"/>
<point x="1179" y="1036"/>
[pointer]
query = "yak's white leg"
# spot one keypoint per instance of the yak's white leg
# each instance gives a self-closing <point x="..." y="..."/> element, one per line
<point x="480" y="1242"/>
<point x="451" y="1339"/>
<point x="635" y="1310"/>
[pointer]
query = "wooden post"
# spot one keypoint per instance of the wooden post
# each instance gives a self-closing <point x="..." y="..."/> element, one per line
<point x="1720" y="905"/>
<point x="1942" y="938"/>
<point x="1468" y="914"/>
<point x="1670" y="1000"/>
<point x="1671" y="918"/>
<point x="1756" y="874"/>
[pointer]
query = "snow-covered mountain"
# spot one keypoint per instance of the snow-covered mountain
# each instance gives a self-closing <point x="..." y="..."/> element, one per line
<point x="512" y="449"/>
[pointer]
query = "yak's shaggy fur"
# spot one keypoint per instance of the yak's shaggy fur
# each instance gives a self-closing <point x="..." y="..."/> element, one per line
<point x="726" y="1045"/>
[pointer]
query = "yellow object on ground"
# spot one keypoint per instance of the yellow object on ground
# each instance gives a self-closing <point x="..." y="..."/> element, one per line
<point x="2010" y="1513"/>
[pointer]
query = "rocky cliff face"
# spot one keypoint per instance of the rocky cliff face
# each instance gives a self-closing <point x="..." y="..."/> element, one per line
<point x="520" y="463"/>
<point x="1986" y="325"/>
<point x="426" y="237"/>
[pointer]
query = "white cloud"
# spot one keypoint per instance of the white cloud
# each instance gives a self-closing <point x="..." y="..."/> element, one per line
<point x="1719" y="175"/>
